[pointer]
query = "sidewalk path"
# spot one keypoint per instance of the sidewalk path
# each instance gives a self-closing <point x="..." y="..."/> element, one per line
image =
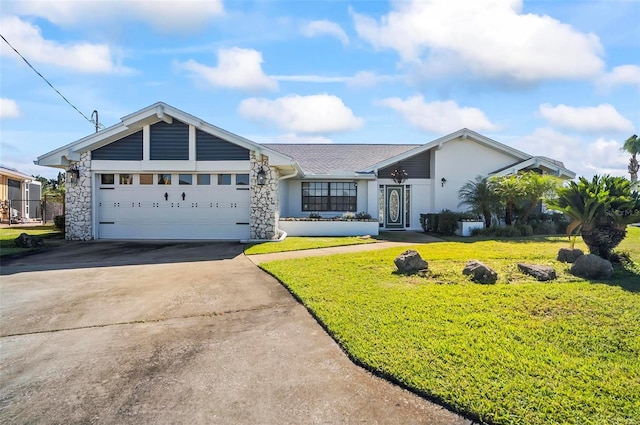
<point x="263" y="258"/>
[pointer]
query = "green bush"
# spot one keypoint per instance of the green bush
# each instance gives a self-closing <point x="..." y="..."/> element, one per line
<point x="507" y="231"/>
<point x="363" y="216"/>
<point x="314" y="215"/>
<point x="447" y="222"/>
<point x="525" y="230"/>
<point x="59" y="222"/>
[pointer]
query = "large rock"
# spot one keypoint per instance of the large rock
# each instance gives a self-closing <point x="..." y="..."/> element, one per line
<point x="28" y="241"/>
<point x="410" y="262"/>
<point x="568" y="255"/>
<point x="480" y="272"/>
<point x="542" y="273"/>
<point x="591" y="266"/>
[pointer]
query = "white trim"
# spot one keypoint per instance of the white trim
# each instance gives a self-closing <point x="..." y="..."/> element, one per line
<point x="463" y="134"/>
<point x="146" y="143"/>
<point x="536" y="162"/>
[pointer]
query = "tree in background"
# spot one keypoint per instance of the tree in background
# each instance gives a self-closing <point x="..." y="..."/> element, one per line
<point x="520" y="193"/>
<point x="632" y="146"/>
<point x="601" y="209"/>
<point x="480" y="198"/>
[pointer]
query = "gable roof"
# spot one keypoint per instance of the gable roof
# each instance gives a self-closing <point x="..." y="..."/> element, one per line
<point x="13" y="173"/>
<point x="152" y="114"/>
<point x="338" y="159"/>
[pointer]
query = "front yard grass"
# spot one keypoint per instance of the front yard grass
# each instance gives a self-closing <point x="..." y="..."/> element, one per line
<point x="517" y="352"/>
<point x="300" y="243"/>
<point x="8" y="234"/>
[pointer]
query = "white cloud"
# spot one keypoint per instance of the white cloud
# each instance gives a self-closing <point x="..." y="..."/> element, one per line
<point x="320" y="113"/>
<point x="489" y="38"/>
<point x="590" y="119"/>
<point x="8" y="108"/>
<point x="324" y="27"/>
<point x="438" y="116"/>
<point x="621" y="75"/>
<point x="237" y="69"/>
<point x="584" y="157"/>
<point x="77" y="56"/>
<point x="168" y="16"/>
<point x="360" y="79"/>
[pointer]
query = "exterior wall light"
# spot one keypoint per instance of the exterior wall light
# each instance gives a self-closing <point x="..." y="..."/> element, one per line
<point x="443" y="181"/>
<point x="73" y="175"/>
<point x="261" y="177"/>
<point x="399" y="175"/>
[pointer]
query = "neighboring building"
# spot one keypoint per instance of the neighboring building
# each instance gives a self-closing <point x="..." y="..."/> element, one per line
<point x="19" y="196"/>
<point x="164" y="174"/>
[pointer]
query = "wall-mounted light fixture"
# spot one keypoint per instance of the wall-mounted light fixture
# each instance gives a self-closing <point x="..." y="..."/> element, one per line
<point x="443" y="181"/>
<point x="399" y="175"/>
<point x="261" y="177"/>
<point x="73" y="175"/>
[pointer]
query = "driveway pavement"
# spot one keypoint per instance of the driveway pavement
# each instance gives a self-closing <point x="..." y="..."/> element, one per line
<point x="159" y="333"/>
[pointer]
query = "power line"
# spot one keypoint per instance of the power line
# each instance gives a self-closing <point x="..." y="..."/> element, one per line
<point x="97" y="124"/>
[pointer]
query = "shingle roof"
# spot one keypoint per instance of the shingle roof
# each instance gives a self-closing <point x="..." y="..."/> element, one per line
<point x="333" y="158"/>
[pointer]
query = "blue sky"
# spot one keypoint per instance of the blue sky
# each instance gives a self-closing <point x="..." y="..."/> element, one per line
<point x="553" y="78"/>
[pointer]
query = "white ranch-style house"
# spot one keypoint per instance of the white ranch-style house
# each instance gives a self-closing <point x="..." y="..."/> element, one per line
<point x="164" y="174"/>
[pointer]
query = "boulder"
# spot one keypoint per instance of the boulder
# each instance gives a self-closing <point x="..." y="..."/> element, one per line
<point x="480" y="272"/>
<point x="591" y="266"/>
<point x="542" y="273"/>
<point x="28" y="241"/>
<point x="568" y="255"/>
<point x="410" y="262"/>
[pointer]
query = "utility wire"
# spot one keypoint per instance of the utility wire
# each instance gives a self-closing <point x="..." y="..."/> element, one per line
<point x="50" y="85"/>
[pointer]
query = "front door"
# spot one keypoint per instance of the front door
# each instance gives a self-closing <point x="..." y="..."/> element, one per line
<point x="394" y="214"/>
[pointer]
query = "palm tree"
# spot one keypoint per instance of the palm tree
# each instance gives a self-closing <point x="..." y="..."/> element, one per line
<point x="601" y="209"/>
<point x="632" y="145"/>
<point x="480" y="198"/>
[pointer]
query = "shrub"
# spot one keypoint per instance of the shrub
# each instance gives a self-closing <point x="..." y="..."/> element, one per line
<point x="525" y="230"/>
<point x="59" y="222"/>
<point x="363" y="216"/>
<point x="314" y="215"/>
<point x="507" y="231"/>
<point x="547" y="228"/>
<point x="423" y="222"/>
<point x="348" y="216"/>
<point x="447" y="222"/>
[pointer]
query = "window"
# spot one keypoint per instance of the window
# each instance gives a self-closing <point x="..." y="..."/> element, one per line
<point x="164" y="179"/>
<point x="407" y="206"/>
<point x="146" y="178"/>
<point x="242" y="179"/>
<point x="185" y="179"/>
<point x="204" y="179"/>
<point x="107" y="179"/>
<point x="329" y="196"/>
<point x="224" y="179"/>
<point x="125" y="178"/>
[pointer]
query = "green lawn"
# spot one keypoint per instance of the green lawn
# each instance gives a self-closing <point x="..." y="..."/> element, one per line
<point x="300" y="243"/>
<point x="8" y="234"/>
<point x="518" y="352"/>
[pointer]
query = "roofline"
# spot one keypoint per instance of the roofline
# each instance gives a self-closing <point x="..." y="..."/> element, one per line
<point x="14" y="173"/>
<point x="535" y="161"/>
<point x="157" y="112"/>
<point x="463" y="133"/>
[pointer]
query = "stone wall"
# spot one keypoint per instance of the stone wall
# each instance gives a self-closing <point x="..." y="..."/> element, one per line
<point x="265" y="209"/>
<point x="78" y="203"/>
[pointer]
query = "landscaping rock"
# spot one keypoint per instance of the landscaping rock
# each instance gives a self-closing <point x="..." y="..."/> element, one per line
<point x="542" y="273"/>
<point x="591" y="266"/>
<point x="480" y="272"/>
<point x="568" y="255"/>
<point x="410" y="262"/>
<point x="28" y="241"/>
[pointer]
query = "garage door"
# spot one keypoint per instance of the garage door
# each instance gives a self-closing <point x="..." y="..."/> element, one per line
<point x="178" y="206"/>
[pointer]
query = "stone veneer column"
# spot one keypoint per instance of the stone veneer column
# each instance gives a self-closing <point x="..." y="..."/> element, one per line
<point x="264" y="214"/>
<point x="78" y="203"/>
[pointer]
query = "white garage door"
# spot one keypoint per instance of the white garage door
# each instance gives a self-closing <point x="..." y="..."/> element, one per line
<point x="173" y="211"/>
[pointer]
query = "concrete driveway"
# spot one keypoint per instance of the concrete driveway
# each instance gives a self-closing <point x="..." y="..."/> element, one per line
<point x="159" y="333"/>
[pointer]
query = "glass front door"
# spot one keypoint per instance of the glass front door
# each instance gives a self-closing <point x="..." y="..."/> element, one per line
<point x="394" y="211"/>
